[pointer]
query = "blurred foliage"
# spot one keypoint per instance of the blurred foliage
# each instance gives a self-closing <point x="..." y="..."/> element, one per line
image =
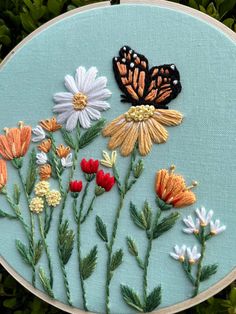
<point x="18" y="18"/>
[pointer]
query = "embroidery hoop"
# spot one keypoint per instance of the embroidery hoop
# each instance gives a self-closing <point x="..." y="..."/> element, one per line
<point x="161" y="3"/>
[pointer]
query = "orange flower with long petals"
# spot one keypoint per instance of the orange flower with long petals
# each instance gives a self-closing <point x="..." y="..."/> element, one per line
<point x="45" y="146"/>
<point x="172" y="191"/>
<point x="45" y="172"/>
<point x="16" y="142"/>
<point x="3" y="173"/>
<point x="50" y="125"/>
<point x="62" y="151"/>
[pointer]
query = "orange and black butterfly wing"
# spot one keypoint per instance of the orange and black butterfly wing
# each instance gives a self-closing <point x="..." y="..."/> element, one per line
<point x="164" y="85"/>
<point x="132" y="75"/>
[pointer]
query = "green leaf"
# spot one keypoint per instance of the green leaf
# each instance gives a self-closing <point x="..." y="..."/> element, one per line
<point x="27" y="22"/>
<point x="38" y="251"/>
<point x="101" y="229"/>
<point x="208" y="271"/>
<point x="205" y="3"/>
<point x="225" y="7"/>
<point x="16" y="194"/>
<point x="165" y="224"/>
<point x="89" y="263"/>
<point x="45" y="281"/>
<point x="131" y="298"/>
<point x="202" y="9"/>
<point x="116" y="260"/>
<point x="229" y="22"/>
<point x="193" y="4"/>
<point x="10" y="303"/>
<point x="32" y="174"/>
<point x="153" y="300"/>
<point x="68" y="138"/>
<point x="6" y="215"/>
<point x="55" y="6"/>
<point x="91" y="133"/>
<point x="211" y="10"/>
<point x="66" y="241"/>
<point x="232" y="296"/>
<point x="147" y="213"/>
<point x="24" y="252"/>
<point x="138" y="168"/>
<point x="138" y="218"/>
<point x="132" y="247"/>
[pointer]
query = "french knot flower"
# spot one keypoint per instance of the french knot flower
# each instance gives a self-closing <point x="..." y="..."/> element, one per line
<point x="53" y="198"/>
<point x="42" y="188"/>
<point x="104" y="182"/>
<point x="36" y="205"/>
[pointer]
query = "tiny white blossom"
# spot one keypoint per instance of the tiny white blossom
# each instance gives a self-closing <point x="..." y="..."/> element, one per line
<point x="179" y="253"/>
<point x="41" y="158"/>
<point x="39" y="132"/>
<point x="108" y="160"/>
<point x="193" y="227"/>
<point x="204" y="216"/>
<point x="67" y="161"/>
<point x="216" y="228"/>
<point x="193" y="255"/>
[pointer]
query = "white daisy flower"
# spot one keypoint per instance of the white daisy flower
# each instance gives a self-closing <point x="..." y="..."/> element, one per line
<point x="193" y="227"/>
<point x="179" y="253"/>
<point x="67" y="161"/>
<point x="41" y="158"/>
<point x="193" y="255"/>
<point x="204" y="216"/>
<point x="39" y="132"/>
<point x="84" y="100"/>
<point x="216" y="228"/>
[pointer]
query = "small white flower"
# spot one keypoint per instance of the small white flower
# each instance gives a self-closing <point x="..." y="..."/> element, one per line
<point x="179" y="253"/>
<point x="84" y="100"/>
<point x="204" y="216"/>
<point x="39" y="132"/>
<point x="216" y="228"/>
<point x="41" y="158"/>
<point x="193" y="227"/>
<point x="67" y="161"/>
<point x="193" y="255"/>
<point x="108" y="160"/>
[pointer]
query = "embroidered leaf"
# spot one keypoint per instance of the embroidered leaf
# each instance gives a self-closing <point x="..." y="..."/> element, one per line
<point x="6" y="215"/>
<point x="38" y="251"/>
<point x="91" y="133"/>
<point x="88" y="263"/>
<point x="116" y="260"/>
<point x="208" y="271"/>
<point x="132" y="247"/>
<point x="165" y="225"/>
<point x="45" y="282"/>
<point x="24" y="252"/>
<point x="68" y="138"/>
<point x="66" y="241"/>
<point x="153" y="300"/>
<point x="147" y="213"/>
<point x="32" y="174"/>
<point x="101" y="229"/>
<point x="162" y="205"/>
<point x="138" y="169"/>
<point x="138" y="218"/>
<point x="16" y="194"/>
<point x="131" y="298"/>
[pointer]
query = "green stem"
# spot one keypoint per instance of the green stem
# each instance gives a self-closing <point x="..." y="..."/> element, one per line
<point x="46" y="249"/>
<point x="89" y="210"/>
<point x="199" y="269"/>
<point x="66" y="282"/>
<point x="48" y="220"/>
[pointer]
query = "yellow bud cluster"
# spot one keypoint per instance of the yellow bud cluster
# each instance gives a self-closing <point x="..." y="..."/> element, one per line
<point x="41" y="188"/>
<point x="139" y="113"/>
<point x="53" y="198"/>
<point x="36" y="205"/>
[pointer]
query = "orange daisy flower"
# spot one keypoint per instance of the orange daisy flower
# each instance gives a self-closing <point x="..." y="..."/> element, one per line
<point x="16" y="142"/>
<point x="172" y="191"/>
<point x="50" y="125"/>
<point x="45" y="172"/>
<point x="45" y="146"/>
<point x="62" y="151"/>
<point x="3" y="173"/>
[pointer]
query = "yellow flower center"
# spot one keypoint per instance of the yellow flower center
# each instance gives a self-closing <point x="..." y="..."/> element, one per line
<point x="181" y="258"/>
<point x="79" y="101"/>
<point x="139" y="113"/>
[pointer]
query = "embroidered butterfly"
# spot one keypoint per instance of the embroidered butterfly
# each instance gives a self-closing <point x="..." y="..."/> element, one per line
<point x="149" y="91"/>
<point x="143" y="86"/>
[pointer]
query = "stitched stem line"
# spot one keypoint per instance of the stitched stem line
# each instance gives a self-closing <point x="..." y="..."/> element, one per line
<point x="66" y="282"/>
<point x="32" y="231"/>
<point x="89" y="210"/>
<point x="109" y="246"/>
<point x="48" y="220"/>
<point x="46" y="249"/>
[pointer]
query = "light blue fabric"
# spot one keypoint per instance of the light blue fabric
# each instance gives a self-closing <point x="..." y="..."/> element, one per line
<point x="202" y="148"/>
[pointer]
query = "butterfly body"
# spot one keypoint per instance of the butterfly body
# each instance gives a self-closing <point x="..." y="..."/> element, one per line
<point x="143" y="86"/>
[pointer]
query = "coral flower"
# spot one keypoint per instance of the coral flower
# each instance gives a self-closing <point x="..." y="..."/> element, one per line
<point x="90" y="166"/>
<point x="76" y="186"/>
<point x="143" y="124"/>
<point x="45" y="172"/>
<point x="105" y="180"/>
<point x="172" y="190"/>
<point x="3" y="173"/>
<point x="50" y="125"/>
<point x="62" y="151"/>
<point x="16" y="142"/>
<point x="45" y="146"/>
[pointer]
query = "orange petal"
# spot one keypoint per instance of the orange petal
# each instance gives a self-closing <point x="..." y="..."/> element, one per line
<point x="144" y="139"/>
<point x="130" y="140"/>
<point x="168" y="117"/>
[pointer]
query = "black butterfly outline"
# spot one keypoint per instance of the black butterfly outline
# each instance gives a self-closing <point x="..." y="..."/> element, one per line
<point x="143" y="86"/>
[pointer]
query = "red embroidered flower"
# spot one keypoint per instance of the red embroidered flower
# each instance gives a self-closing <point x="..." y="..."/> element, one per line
<point x="76" y="186"/>
<point x="90" y="166"/>
<point x="104" y="181"/>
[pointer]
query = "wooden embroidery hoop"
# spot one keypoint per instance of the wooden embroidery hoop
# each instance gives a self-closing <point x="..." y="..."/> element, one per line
<point x="161" y="3"/>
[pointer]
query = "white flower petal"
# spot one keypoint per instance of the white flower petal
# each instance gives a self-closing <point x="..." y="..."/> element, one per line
<point x="72" y="121"/>
<point x="189" y="222"/>
<point x="99" y="105"/>
<point x="98" y="84"/>
<point x="93" y="113"/>
<point x="63" y="97"/>
<point x="209" y="216"/>
<point x="175" y="256"/>
<point x="62" y="107"/>
<point x="177" y="249"/>
<point x="79" y="77"/>
<point x="84" y="119"/>
<point x="70" y="84"/>
<point x="62" y="117"/>
<point x="41" y="158"/>
<point x="188" y="230"/>
<point x="89" y="79"/>
<point x="99" y="95"/>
